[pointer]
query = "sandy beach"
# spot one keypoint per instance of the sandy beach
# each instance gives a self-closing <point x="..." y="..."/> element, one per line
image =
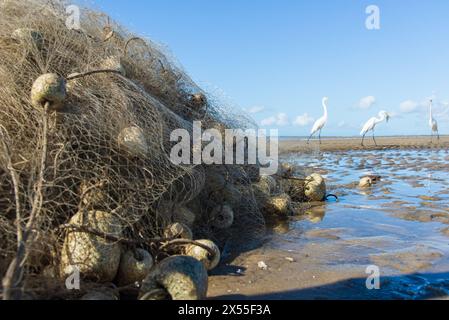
<point x="399" y="225"/>
<point x="291" y="145"/>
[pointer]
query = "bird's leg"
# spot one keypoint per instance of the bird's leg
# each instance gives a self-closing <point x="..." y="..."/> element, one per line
<point x="319" y="136"/>
<point x="374" y="139"/>
<point x="363" y="139"/>
<point x="438" y="135"/>
<point x="308" y="140"/>
<point x="431" y="137"/>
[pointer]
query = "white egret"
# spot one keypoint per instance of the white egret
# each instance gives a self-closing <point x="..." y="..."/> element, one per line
<point x="320" y="123"/>
<point x="433" y="125"/>
<point x="370" y="125"/>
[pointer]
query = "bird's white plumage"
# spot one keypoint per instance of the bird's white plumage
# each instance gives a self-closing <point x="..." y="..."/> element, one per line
<point x="371" y="124"/>
<point x="432" y="122"/>
<point x="434" y="125"/>
<point x="321" y="122"/>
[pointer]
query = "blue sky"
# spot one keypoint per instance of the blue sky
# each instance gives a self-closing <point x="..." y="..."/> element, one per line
<point x="277" y="59"/>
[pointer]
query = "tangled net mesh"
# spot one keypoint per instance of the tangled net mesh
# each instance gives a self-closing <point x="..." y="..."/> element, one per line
<point x="59" y="163"/>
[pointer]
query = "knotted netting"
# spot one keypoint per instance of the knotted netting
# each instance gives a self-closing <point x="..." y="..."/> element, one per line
<point x="78" y="158"/>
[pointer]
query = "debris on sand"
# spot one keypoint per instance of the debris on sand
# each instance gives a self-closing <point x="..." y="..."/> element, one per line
<point x="262" y="265"/>
<point x="315" y="187"/>
<point x="368" y="181"/>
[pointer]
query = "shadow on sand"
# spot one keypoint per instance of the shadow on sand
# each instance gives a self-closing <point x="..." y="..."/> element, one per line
<point x="404" y="287"/>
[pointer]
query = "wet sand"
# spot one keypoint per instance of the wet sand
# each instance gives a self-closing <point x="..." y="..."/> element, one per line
<point x="321" y="270"/>
<point x="399" y="225"/>
<point x="290" y="145"/>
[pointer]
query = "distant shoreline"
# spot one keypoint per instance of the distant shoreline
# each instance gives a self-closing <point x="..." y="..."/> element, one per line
<point x="281" y="138"/>
<point x="330" y="144"/>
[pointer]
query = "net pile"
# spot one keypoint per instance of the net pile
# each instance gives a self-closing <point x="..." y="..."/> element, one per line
<point x="59" y="163"/>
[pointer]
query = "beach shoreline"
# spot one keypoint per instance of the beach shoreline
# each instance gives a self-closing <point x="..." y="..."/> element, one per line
<point x="299" y="145"/>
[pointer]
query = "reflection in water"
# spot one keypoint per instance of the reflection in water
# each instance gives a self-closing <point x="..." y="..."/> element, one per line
<point x="316" y="215"/>
<point x="281" y="226"/>
<point x="312" y="211"/>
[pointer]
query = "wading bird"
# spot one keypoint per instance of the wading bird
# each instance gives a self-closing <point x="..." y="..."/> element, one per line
<point x="433" y="125"/>
<point x="320" y="123"/>
<point x="370" y="125"/>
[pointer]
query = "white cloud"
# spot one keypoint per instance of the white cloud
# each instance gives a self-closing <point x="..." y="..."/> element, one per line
<point x="441" y="111"/>
<point x="342" y="124"/>
<point x="280" y="119"/>
<point x="268" y="121"/>
<point x="255" y="109"/>
<point x="445" y="108"/>
<point x="367" y="102"/>
<point x="303" y="120"/>
<point x="394" y="114"/>
<point x="408" y="106"/>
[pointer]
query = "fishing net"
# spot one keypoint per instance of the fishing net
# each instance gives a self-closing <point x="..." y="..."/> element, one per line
<point x="78" y="158"/>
